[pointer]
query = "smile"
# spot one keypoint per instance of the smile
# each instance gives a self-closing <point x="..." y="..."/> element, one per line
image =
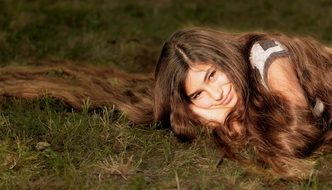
<point x="227" y="98"/>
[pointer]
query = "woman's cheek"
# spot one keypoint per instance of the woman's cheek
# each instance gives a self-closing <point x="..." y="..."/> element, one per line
<point x="202" y="102"/>
<point x="220" y="76"/>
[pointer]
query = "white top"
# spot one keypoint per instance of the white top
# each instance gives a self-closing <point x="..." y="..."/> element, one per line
<point x="263" y="53"/>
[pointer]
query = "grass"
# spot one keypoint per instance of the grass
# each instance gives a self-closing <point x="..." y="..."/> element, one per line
<point x="44" y="144"/>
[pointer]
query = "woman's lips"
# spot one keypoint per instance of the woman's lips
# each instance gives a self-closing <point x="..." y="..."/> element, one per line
<point x="227" y="98"/>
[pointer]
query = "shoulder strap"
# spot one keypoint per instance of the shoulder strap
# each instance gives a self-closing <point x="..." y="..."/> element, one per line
<point x="263" y="53"/>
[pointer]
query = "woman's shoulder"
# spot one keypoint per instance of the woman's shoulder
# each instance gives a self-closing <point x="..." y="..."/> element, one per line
<point x="262" y="55"/>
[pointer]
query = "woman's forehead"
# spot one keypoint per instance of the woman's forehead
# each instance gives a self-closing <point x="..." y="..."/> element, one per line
<point x="198" y="67"/>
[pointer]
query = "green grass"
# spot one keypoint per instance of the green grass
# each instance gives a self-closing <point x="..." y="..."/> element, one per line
<point x="101" y="149"/>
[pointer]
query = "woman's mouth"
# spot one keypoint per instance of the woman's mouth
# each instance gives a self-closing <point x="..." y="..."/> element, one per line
<point x="227" y="98"/>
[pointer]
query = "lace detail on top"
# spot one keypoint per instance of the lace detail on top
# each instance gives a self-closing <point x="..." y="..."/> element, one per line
<point x="262" y="55"/>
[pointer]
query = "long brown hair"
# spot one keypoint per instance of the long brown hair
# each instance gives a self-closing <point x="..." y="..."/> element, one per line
<point x="82" y="85"/>
<point x="280" y="134"/>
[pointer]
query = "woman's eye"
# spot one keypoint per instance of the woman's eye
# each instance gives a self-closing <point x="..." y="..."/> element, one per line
<point x="196" y="95"/>
<point x="212" y="74"/>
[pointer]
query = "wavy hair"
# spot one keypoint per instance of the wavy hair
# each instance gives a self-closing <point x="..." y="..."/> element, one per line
<point x="281" y="135"/>
<point x="82" y="85"/>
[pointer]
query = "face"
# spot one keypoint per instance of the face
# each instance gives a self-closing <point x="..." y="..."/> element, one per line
<point x="211" y="92"/>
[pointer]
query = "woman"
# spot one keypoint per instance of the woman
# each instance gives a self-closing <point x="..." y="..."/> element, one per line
<point x="265" y="93"/>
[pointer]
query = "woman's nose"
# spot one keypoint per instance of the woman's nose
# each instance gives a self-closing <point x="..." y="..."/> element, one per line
<point x="215" y="92"/>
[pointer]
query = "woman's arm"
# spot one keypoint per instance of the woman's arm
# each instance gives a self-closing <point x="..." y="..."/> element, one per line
<point x="282" y="78"/>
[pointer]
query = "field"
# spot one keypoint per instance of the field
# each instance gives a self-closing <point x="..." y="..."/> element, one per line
<point x="44" y="144"/>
